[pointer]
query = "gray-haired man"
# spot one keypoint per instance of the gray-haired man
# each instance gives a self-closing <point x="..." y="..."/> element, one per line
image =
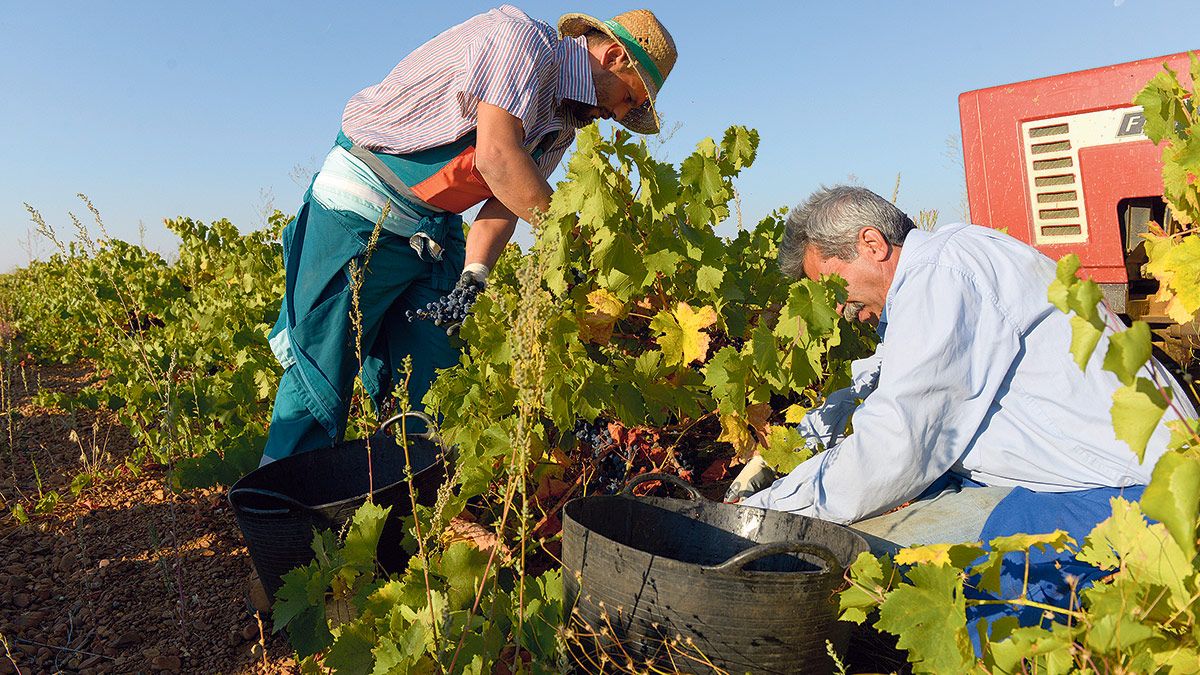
<point x="972" y="384"/>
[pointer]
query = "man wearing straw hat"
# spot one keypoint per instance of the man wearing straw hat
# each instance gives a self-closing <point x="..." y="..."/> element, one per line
<point x="480" y="113"/>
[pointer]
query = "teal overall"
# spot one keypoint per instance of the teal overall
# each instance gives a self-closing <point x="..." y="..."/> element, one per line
<point x="417" y="260"/>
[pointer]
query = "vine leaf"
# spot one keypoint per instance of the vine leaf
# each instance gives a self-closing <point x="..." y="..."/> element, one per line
<point x="794" y="414"/>
<point x="463" y="566"/>
<point x="1117" y="631"/>
<point x="351" y="652"/>
<point x="1128" y="351"/>
<point x="726" y="374"/>
<point x="1136" y="411"/>
<point x="363" y="537"/>
<point x="1084" y="337"/>
<point x="785" y="448"/>
<point x="1069" y="294"/>
<point x="739" y="431"/>
<point x="1049" y="651"/>
<point x="1173" y="498"/>
<point x="956" y="555"/>
<point x="1176" y="264"/>
<point x="604" y="310"/>
<point x="681" y="333"/>
<point x="1145" y="553"/>
<point x="929" y="617"/>
<point x="989" y="569"/>
<point x="870" y="577"/>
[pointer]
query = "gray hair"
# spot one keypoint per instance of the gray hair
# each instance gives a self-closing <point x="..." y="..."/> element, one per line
<point x="830" y="220"/>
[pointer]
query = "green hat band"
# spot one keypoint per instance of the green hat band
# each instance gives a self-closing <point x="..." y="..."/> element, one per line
<point x="638" y="53"/>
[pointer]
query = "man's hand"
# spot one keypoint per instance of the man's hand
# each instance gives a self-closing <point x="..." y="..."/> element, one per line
<point x="451" y="310"/>
<point x="753" y="477"/>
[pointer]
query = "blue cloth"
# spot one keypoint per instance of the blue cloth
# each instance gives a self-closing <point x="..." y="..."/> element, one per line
<point x="975" y="377"/>
<point x="314" y="336"/>
<point x="1025" y="511"/>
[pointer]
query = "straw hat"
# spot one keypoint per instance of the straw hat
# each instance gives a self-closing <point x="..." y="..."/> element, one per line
<point x="650" y="49"/>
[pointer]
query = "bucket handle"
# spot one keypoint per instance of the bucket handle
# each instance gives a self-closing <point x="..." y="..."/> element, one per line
<point x="738" y="561"/>
<point x="678" y="482"/>
<point x="430" y="426"/>
<point x="290" y="504"/>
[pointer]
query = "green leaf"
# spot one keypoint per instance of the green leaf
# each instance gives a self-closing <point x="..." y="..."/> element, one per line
<point x="662" y="262"/>
<point x="1084" y="298"/>
<point x="1146" y="553"/>
<point x="1116" y="632"/>
<point x="929" y="617"/>
<point x="739" y="146"/>
<point x="362" y="539"/>
<point x="1034" y="649"/>
<point x="350" y="653"/>
<point x="708" y="279"/>
<point x="726" y="375"/>
<point x="1136" y="411"/>
<point x="1064" y="279"/>
<point x="1173" y="498"/>
<point x="463" y="565"/>
<point x="1084" y="337"/>
<point x="700" y="171"/>
<point x="1128" y="351"/>
<point x="870" y="579"/>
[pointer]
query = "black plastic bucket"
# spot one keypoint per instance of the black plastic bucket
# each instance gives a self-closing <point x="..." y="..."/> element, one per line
<point x="699" y="586"/>
<point x="278" y="506"/>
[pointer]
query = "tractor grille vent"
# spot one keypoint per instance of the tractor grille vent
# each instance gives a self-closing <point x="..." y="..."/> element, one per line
<point x="1056" y="194"/>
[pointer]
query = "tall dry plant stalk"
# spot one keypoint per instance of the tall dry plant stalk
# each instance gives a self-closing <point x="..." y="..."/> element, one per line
<point x="528" y="372"/>
<point x="369" y="419"/>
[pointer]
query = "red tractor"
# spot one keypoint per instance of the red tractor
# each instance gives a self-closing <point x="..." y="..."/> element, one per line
<point x="1062" y="163"/>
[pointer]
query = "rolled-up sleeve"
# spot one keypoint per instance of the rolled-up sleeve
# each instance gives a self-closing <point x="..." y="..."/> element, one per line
<point x="825" y="425"/>
<point x="946" y="353"/>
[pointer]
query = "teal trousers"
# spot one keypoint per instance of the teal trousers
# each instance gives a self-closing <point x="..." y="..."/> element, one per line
<point x="314" y="338"/>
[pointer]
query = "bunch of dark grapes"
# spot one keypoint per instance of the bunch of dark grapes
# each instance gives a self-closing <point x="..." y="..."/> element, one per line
<point x="720" y="340"/>
<point x="450" y="309"/>
<point x="612" y="466"/>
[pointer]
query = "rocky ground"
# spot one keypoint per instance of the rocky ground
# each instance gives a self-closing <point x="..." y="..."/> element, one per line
<point x="128" y="577"/>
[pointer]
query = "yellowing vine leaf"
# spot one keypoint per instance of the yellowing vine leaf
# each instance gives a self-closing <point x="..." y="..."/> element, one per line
<point x="604" y="310"/>
<point x="785" y="448"/>
<point x="956" y="555"/>
<point x="735" y="433"/>
<point x="1176" y="264"/>
<point x="681" y="333"/>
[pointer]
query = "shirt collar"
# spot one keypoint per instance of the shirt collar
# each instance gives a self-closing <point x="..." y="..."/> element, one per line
<point x="575" y="71"/>
<point x="908" y="251"/>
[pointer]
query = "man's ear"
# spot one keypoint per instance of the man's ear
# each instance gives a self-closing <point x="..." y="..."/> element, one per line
<point x="613" y="56"/>
<point x="873" y="244"/>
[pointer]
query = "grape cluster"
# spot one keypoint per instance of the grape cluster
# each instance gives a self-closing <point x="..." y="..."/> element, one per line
<point x="611" y="466"/>
<point x="451" y="309"/>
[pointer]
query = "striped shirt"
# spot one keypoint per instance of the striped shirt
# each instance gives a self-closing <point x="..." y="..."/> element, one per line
<point x="502" y="57"/>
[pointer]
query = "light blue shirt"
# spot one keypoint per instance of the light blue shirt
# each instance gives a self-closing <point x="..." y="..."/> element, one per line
<point x="974" y="376"/>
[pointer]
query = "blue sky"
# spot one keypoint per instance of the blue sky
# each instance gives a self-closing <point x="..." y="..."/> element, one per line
<point x="160" y="109"/>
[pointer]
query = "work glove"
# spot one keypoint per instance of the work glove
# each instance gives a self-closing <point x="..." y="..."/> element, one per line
<point x="753" y="477"/>
<point x="450" y="310"/>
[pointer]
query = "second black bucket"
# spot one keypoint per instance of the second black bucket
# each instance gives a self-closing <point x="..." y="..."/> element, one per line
<point x="279" y="506"/>
<point x="700" y="587"/>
